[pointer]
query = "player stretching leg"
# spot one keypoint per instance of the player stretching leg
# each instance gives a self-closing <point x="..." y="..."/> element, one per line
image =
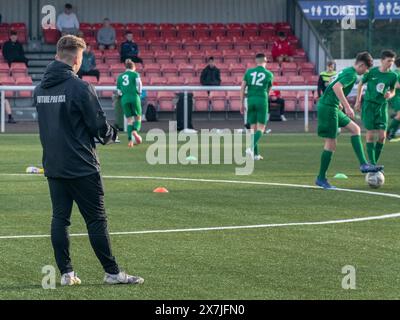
<point x="381" y="83"/>
<point x="331" y="118"/>
<point x="395" y="104"/>
<point x="129" y="88"/>
<point x="258" y="82"/>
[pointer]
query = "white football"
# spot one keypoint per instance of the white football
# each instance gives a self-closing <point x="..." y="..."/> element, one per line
<point x="375" y="179"/>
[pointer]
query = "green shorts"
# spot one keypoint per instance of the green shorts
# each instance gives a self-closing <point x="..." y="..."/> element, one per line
<point x="330" y="119"/>
<point x="131" y="108"/>
<point x="395" y="104"/>
<point x="375" y="116"/>
<point x="257" y="110"/>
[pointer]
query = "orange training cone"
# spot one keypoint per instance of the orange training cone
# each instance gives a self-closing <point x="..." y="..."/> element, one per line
<point x="160" y="190"/>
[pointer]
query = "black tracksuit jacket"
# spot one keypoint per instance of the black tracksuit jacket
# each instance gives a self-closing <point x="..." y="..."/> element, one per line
<point x="70" y="118"/>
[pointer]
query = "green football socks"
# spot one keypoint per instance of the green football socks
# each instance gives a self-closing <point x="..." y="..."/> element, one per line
<point x="378" y="150"/>
<point x="326" y="159"/>
<point x="358" y="149"/>
<point x="371" y="152"/>
<point x="130" y="129"/>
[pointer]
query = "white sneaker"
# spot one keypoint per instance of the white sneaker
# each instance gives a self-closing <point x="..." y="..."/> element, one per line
<point x="258" y="158"/>
<point x="283" y="118"/>
<point x="122" y="278"/>
<point x="70" y="279"/>
<point x="250" y="153"/>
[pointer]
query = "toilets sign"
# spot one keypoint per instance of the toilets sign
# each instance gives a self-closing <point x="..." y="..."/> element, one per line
<point x="334" y="10"/>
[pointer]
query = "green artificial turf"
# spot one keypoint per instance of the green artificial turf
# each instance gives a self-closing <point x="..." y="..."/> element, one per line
<point x="282" y="262"/>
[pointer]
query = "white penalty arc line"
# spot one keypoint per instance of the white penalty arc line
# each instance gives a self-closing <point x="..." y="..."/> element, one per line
<point x="258" y="226"/>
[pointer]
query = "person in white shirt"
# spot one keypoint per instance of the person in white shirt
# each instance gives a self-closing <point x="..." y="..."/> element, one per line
<point x="67" y="22"/>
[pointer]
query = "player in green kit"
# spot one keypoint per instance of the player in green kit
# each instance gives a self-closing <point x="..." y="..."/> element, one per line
<point x="395" y="104"/>
<point x="258" y="82"/>
<point x="129" y="88"/>
<point x="381" y="83"/>
<point x="331" y="118"/>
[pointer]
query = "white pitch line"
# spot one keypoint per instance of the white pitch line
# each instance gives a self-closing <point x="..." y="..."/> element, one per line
<point x="274" y="225"/>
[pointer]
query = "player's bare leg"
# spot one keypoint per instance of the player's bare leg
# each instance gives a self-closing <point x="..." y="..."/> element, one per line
<point x="137" y="124"/>
<point x="130" y="129"/>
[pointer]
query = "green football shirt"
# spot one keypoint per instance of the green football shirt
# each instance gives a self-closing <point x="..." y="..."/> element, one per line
<point x="378" y="84"/>
<point x="259" y="82"/>
<point x="397" y="72"/>
<point x="129" y="84"/>
<point x="347" y="77"/>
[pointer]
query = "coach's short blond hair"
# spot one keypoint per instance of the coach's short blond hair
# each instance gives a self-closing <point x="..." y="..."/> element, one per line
<point x="68" y="46"/>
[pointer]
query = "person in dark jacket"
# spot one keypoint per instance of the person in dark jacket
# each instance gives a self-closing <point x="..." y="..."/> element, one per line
<point x="70" y="119"/>
<point x="325" y="77"/>
<point x="130" y="49"/>
<point x="210" y="76"/>
<point x="13" y="50"/>
<point x="88" y="67"/>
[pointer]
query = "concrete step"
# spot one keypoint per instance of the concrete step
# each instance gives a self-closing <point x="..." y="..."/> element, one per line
<point x="36" y="70"/>
<point x="40" y="56"/>
<point x="39" y="63"/>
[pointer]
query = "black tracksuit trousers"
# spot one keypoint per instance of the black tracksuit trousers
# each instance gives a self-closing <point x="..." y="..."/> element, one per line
<point x="88" y="194"/>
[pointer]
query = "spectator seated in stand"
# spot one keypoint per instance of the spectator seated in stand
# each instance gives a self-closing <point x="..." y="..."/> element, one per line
<point x="9" y="112"/>
<point x="88" y="67"/>
<point x="276" y="98"/>
<point x="106" y="36"/>
<point x="67" y="22"/>
<point x="211" y="75"/>
<point x="282" y="50"/>
<point x="130" y="49"/>
<point x="13" y="50"/>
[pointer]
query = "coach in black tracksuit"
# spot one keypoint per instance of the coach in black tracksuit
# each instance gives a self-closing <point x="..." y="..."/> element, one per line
<point x="70" y="118"/>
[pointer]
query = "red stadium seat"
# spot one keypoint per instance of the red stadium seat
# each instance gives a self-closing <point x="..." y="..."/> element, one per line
<point x="224" y="44"/>
<point x="208" y="44"/>
<point x="151" y="30"/>
<point x="51" y="36"/>
<point x="90" y="79"/>
<point x="166" y="100"/>
<point x="187" y="70"/>
<point x="176" y="81"/>
<point x="8" y="81"/>
<point x="250" y="30"/>
<point x="117" y="69"/>
<point x="267" y="30"/>
<point x="158" y="81"/>
<point x="174" y="44"/>
<point x="18" y="69"/>
<point x="289" y="68"/>
<point x="167" y="30"/>
<point x="104" y="69"/>
<point x="24" y="81"/>
<point x="180" y="56"/>
<point x="151" y="97"/>
<point x="312" y="79"/>
<point x="237" y="70"/>
<point x="201" y="101"/>
<point x="307" y="68"/>
<point x="4" y="69"/>
<point x="169" y="70"/>
<point x="230" y="57"/>
<point x="241" y="44"/>
<point x="194" y="81"/>
<point x="184" y="30"/>
<point x="274" y="68"/>
<point x="257" y="44"/>
<point x="4" y="27"/>
<point x="300" y="55"/>
<point x="197" y="58"/>
<point x="281" y="80"/>
<point x="234" y="100"/>
<point x="224" y="69"/>
<point x="283" y="27"/>
<point x="153" y="70"/>
<point x="302" y="101"/>
<point x="296" y="80"/>
<point x="201" y="30"/>
<point x="229" y="81"/>
<point x="218" y="100"/>
<point x="157" y="44"/>
<point x="107" y="81"/>
<point x="162" y="57"/>
<point x="111" y="56"/>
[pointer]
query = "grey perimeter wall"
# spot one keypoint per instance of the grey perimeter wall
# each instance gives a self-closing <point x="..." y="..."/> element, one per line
<point x="174" y="11"/>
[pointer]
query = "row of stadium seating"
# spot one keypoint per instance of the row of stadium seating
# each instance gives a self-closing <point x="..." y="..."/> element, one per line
<point x="19" y="27"/>
<point x="184" y="30"/>
<point x="224" y="101"/>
